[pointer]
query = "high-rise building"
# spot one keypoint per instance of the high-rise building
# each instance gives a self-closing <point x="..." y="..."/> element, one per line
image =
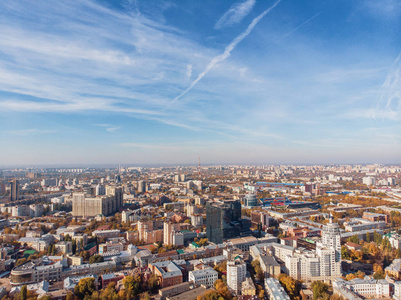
<point x="260" y="217"/>
<point x="168" y="230"/>
<point x="100" y="190"/>
<point x="147" y="233"/>
<point x="236" y="273"/>
<point x="141" y="186"/>
<point x="322" y="264"/>
<point x="83" y="206"/>
<point x="331" y="237"/>
<point x="14" y="194"/>
<point x="223" y="220"/>
<point x="144" y="226"/>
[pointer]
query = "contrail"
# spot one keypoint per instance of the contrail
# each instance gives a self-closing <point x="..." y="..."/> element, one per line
<point x="295" y="29"/>
<point x="227" y="51"/>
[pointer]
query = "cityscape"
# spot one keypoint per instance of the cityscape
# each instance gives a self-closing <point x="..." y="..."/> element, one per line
<point x="202" y="232"/>
<point x="200" y="150"/>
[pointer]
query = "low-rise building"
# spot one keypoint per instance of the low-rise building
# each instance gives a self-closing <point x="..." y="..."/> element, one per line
<point x="205" y="277"/>
<point x="168" y="272"/>
<point x="274" y="290"/>
<point x="394" y="270"/>
<point x="368" y="288"/>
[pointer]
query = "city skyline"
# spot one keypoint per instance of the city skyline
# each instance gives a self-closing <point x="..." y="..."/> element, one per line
<point x="249" y="82"/>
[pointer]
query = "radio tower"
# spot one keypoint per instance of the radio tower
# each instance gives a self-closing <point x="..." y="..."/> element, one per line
<point x="199" y="169"/>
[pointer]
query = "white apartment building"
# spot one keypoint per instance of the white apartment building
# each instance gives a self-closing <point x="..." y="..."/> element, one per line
<point x="206" y="277"/>
<point x="369" y="181"/>
<point x="168" y="230"/>
<point x="322" y="264"/>
<point x="236" y="273"/>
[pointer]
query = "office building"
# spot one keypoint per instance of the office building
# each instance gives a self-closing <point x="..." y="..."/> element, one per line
<point x="250" y="200"/>
<point x="141" y="186"/>
<point x="14" y="191"/>
<point x="223" y="220"/>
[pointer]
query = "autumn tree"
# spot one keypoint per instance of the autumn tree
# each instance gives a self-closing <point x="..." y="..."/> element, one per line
<point x="319" y="289"/>
<point x="291" y="286"/>
<point x="379" y="273"/>
<point x="153" y="283"/>
<point x="85" y="287"/>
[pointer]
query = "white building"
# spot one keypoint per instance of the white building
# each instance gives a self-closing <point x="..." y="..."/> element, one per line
<point x="368" y="288"/>
<point x="206" y="277"/>
<point x="322" y="264"/>
<point x="36" y="210"/>
<point x="236" y="273"/>
<point x="397" y="290"/>
<point x="197" y="220"/>
<point x="21" y="211"/>
<point x="275" y="290"/>
<point x="49" y="182"/>
<point x="177" y="238"/>
<point x="369" y="181"/>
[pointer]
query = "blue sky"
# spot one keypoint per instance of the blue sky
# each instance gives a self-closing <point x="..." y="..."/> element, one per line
<point x="249" y="81"/>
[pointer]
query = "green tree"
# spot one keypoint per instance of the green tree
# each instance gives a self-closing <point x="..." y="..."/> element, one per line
<point x="354" y="239"/>
<point x="24" y="291"/>
<point x="96" y="259"/>
<point x="132" y="286"/>
<point x="319" y="289"/>
<point x="153" y="283"/>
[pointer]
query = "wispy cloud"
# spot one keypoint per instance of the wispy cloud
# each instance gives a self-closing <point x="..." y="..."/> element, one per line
<point x="227" y="51"/>
<point x="235" y="14"/>
<point x="109" y="127"/>
<point x="189" y="71"/>
<point x="31" y="131"/>
<point x="389" y="104"/>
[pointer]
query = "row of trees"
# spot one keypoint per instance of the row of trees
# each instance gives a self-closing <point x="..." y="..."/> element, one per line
<point x="134" y="287"/>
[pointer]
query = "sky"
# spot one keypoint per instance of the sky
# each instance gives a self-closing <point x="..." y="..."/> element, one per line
<point x="166" y="82"/>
